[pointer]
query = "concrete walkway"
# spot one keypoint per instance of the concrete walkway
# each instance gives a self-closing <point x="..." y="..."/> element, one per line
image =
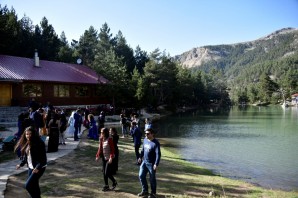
<point x="9" y="168"/>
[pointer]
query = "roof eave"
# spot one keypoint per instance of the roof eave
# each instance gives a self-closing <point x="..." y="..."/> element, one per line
<point x="10" y="80"/>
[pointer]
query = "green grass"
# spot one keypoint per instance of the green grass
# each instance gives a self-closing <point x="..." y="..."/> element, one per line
<point x="175" y="176"/>
<point x="78" y="175"/>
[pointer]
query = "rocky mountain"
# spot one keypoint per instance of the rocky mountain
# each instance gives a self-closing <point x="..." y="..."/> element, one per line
<point x="232" y="58"/>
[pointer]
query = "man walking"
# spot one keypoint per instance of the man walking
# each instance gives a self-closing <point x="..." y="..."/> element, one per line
<point x="151" y="156"/>
<point x="77" y="124"/>
<point x="136" y="134"/>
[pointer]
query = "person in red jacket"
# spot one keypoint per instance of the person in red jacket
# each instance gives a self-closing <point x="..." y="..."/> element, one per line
<point x="107" y="152"/>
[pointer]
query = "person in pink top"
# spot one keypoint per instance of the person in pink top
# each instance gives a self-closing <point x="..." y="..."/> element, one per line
<point x="107" y="152"/>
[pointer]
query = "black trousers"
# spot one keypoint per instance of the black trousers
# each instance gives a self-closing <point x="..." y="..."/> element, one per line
<point x="107" y="172"/>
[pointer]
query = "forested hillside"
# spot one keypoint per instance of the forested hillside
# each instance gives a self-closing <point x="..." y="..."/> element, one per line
<point x="242" y="64"/>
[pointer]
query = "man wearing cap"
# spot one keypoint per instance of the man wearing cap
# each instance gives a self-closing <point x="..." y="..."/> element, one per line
<point x="151" y="156"/>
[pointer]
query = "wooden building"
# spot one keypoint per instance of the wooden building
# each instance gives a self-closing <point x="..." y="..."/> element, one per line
<point x="22" y="79"/>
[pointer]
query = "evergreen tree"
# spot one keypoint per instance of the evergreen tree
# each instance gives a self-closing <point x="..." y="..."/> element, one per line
<point x="49" y="43"/>
<point x="106" y="41"/>
<point x="266" y="88"/>
<point x="87" y="45"/>
<point x="65" y="52"/>
<point x="185" y="86"/>
<point x="141" y="59"/>
<point x="141" y="91"/>
<point x="9" y="30"/>
<point x="134" y="79"/>
<point x="26" y="42"/>
<point x="125" y="52"/>
<point x="160" y="73"/>
<point x="199" y="92"/>
<point x="252" y="93"/>
<point x="111" y="67"/>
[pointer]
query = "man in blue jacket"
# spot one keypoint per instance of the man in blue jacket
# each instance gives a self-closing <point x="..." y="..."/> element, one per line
<point x="77" y="124"/>
<point x="151" y="156"/>
<point x="136" y="134"/>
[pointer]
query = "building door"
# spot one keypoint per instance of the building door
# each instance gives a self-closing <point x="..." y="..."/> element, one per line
<point x="5" y="94"/>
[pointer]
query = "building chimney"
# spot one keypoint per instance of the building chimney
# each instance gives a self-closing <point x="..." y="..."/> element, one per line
<point x="36" y="59"/>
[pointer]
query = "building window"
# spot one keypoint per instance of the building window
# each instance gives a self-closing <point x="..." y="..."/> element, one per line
<point x="82" y="91"/>
<point x="32" y="90"/>
<point x="61" y="91"/>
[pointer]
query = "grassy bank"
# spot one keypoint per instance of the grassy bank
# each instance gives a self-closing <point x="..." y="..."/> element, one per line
<point x="78" y="175"/>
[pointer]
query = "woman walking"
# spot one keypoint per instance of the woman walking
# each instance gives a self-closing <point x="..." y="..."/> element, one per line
<point x="106" y="151"/>
<point x="115" y="136"/>
<point x="54" y="133"/>
<point x="62" y="126"/>
<point x="33" y="153"/>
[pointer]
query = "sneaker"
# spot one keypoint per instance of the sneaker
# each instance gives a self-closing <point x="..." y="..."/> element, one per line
<point x="143" y="194"/>
<point x="114" y="185"/>
<point x="105" y="188"/>
<point x="152" y="195"/>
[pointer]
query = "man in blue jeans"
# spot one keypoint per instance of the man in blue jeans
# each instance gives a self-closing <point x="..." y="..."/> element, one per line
<point x="151" y="156"/>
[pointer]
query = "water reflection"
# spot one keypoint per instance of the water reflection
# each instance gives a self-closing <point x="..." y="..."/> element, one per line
<point x="255" y="143"/>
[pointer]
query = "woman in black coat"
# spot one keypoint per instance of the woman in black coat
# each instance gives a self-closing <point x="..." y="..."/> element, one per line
<point x="115" y="136"/>
<point x="33" y="153"/>
<point x="54" y="133"/>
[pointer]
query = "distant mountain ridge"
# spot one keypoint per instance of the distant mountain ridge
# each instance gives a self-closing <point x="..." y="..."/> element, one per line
<point x="279" y="44"/>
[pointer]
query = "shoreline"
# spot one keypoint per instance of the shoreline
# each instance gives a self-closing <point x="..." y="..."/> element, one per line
<point x="232" y="177"/>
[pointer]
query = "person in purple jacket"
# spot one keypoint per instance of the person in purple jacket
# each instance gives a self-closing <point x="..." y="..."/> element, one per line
<point x="93" y="131"/>
<point x="151" y="156"/>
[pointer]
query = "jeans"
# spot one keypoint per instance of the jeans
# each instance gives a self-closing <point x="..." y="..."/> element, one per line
<point x="32" y="183"/>
<point x="144" y="169"/>
<point x="124" y="130"/>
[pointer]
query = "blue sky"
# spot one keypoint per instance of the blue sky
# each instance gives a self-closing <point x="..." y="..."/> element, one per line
<point x="175" y="26"/>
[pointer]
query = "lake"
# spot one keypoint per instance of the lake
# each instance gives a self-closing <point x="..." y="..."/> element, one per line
<point x="255" y="144"/>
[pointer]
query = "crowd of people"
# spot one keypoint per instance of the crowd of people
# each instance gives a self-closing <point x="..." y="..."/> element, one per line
<point x="52" y="122"/>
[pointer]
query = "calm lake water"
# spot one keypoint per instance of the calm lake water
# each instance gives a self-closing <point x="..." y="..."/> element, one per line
<point x="255" y="144"/>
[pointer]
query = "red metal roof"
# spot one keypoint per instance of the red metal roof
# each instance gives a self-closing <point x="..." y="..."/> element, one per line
<point x="18" y="68"/>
